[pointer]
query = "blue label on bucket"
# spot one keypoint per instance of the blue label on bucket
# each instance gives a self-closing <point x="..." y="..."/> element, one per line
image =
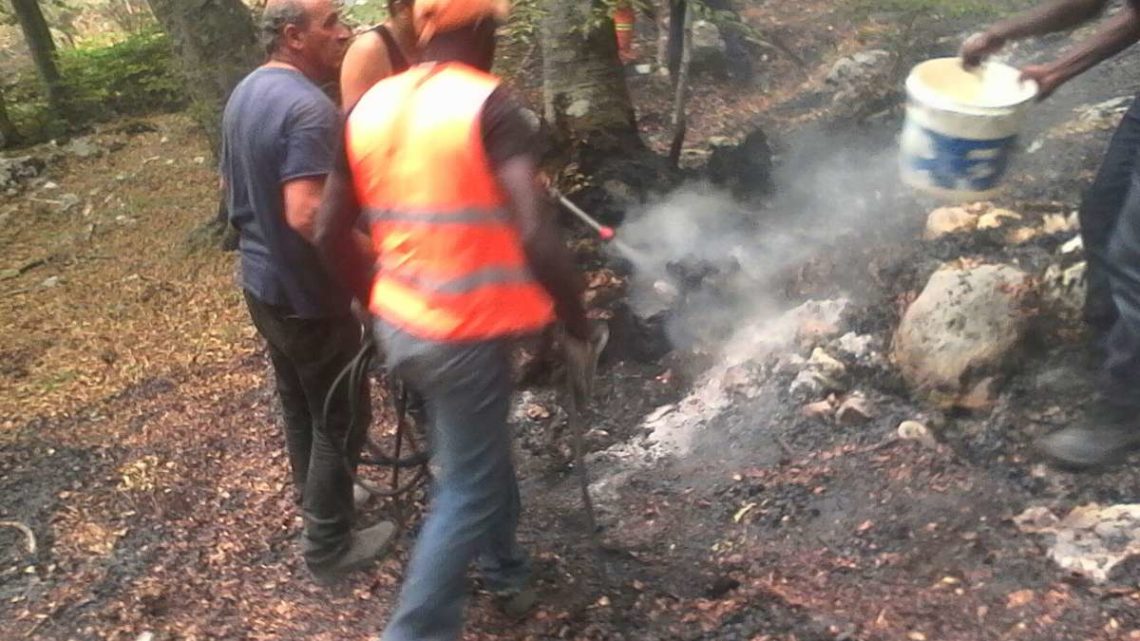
<point x="959" y="163"/>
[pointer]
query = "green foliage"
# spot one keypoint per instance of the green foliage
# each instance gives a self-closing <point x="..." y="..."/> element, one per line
<point x="365" y="12"/>
<point x="942" y="8"/>
<point x="131" y="77"/>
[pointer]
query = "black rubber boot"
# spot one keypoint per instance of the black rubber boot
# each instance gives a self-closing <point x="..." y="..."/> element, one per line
<point x="1106" y="436"/>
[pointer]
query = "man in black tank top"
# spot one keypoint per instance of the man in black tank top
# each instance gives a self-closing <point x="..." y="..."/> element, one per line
<point x="382" y="51"/>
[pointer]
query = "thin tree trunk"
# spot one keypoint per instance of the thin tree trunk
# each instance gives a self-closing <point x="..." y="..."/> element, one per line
<point x="680" y="97"/>
<point x="42" y="47"/>
<point x="585" y="95"/>
<point x="8" y="134"/>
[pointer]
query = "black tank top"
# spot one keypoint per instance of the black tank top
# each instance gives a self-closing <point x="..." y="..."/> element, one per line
<point x="395" y="56"/>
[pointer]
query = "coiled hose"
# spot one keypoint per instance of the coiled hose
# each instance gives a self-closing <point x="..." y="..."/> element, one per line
<point x="352" y="380"/>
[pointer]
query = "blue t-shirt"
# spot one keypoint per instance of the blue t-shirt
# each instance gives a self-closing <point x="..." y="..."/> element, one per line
<point x="279" y="126"/>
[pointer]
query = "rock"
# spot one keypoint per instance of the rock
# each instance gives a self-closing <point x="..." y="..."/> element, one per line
<point x="981" y="396"/>
<point x="949" y="220"/>
<point x="49" y="282"/>
<point x="917" y="432"/>
<point x="18" y="171"/>
<point x="807" y="384"/>
<point x="852" y="70"/>
<point x="1022" y="235"/>
<point x="824" y="363"/>
<point x="1073" y="245"/>
<point x="620" y="192"/>
<point x="963" y="328"/>
<point x="820" y="409"/>
<point x="817" y="320"/>
<point x="68" y="201"/>
<point x="855" y="410"/>
<point x="82" y="147"/>
<point x="1056" y="224"/>
<point x="820" y="375"/>
<point x="743" y="380"/>
<point x="1091" y="540"/>
<point x="709" y="50"/>
<point x="995" y="218"/>
<point x="745" y="168"/>
<point x="1104" y="110"/>
<point x="1065" y="287"/>
<point x="855" y="346"/>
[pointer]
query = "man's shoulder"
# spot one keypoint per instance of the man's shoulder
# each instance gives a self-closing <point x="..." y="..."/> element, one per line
<point x="283" y="90"/>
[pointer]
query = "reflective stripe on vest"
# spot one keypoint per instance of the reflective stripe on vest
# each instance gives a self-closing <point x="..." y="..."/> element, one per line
<point x="451" y="265"/>
<point x="472" y="216"/>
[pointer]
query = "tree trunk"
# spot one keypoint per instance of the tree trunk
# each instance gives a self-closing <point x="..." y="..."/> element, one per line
<point x="586" y="99"/>
<point x="42" y="47"/>
<point x="675" y="41"/>
<point x="681" y="95"/>
<point x="216" y="45"/>
<point x="8" y="134"/>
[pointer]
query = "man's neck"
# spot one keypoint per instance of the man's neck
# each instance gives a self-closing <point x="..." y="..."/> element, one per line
<point x="285" y="60"/>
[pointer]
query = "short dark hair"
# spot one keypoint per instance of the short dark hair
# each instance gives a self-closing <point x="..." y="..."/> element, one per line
<point x="276" y="17"/>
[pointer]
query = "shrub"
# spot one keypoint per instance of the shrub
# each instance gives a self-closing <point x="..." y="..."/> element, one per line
<point x="134" y="76"/>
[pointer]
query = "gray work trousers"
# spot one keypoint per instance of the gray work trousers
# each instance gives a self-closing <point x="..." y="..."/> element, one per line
<point x="475" y="505"/>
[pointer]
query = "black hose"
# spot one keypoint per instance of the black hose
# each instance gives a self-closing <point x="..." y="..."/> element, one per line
<point x="356" y="373"/>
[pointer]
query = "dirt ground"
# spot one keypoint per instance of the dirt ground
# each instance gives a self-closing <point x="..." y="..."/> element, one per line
<point x="138" y="435"/>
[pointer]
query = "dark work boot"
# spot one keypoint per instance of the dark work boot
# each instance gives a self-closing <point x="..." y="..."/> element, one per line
<point x="365" y="547"/>
<point x="1105" y="436"/>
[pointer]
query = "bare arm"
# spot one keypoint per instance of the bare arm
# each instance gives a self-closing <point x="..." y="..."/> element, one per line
<point x="365" y="64"/>
<point x="547" y="256"/>
<point x="302" y="196"/>
<point x="1057" y="15"/>
<point x="1114" y="36"/>
<point x="344" y="248"/>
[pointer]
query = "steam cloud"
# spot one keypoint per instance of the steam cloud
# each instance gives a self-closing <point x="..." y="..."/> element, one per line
<point x="724" y="257"/>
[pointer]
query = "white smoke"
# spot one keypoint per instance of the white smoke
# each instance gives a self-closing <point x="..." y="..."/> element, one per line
<point x="825" y="191"/>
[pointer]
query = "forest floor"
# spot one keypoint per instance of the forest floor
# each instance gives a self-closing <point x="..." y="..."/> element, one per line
<point x="139" y="441"/>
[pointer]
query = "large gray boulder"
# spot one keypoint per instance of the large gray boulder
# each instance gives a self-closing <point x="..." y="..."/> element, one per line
<point x="961" y="333"/>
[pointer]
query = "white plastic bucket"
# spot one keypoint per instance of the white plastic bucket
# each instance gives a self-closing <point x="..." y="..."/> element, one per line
<point x="961" y="127"/>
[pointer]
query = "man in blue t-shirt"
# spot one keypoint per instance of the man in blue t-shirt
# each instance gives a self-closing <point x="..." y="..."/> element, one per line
<point x="278" y="136"/>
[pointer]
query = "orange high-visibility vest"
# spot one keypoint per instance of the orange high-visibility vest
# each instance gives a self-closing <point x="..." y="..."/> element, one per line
<point x="451" y="264"/>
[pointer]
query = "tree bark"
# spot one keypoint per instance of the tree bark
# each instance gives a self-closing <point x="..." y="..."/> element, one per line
<point x="584" y="91"/>
<point x="8" y="134"/>
<point x="216" y="45"/>
<point x="42" y="47"/>
<point x="681" y="88"/>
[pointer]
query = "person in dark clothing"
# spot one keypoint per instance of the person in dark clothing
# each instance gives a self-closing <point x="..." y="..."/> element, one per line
<point x="279" y="131"/>
<point x="1110" y="229"/>
<point x="382" y="51"/>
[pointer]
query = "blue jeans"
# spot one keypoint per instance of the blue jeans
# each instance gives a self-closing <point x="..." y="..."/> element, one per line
<point x="1101" y="209"/>
<point x="475" y="507"/>
<point x="1121" y="370"/>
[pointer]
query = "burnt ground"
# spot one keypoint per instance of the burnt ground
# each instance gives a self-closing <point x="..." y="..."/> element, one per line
<point x="151" y="471"/>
